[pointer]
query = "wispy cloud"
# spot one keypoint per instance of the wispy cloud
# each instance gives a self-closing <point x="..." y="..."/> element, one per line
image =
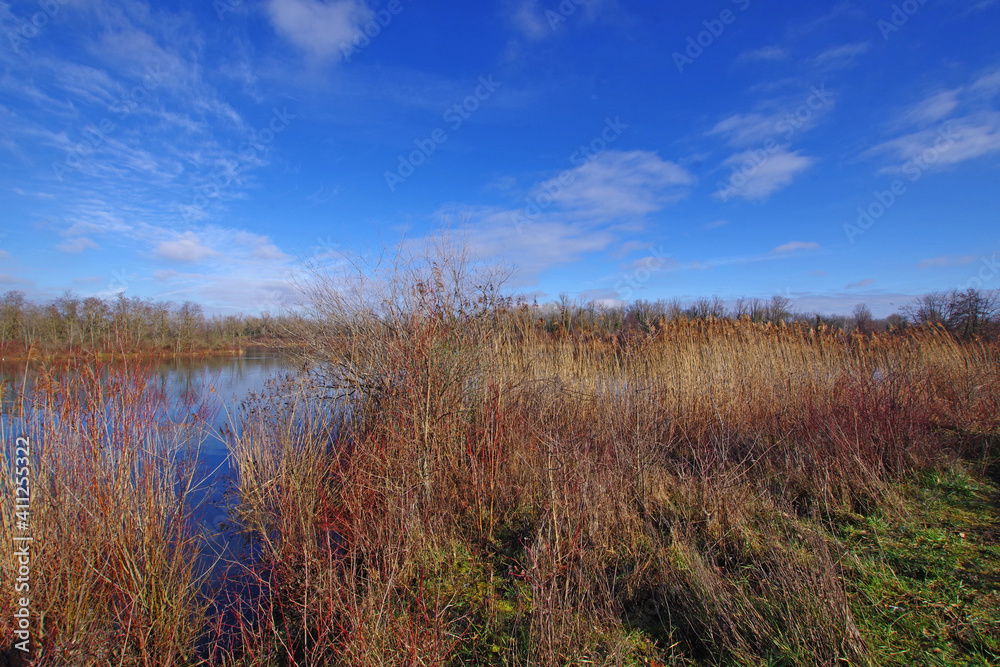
<point x="841" y="56"/>
<point x="947" y="260"/>
<point x="932" y="108"/>
<point x="76" y="245"/>
<point x="957" y="125"/>
<point x="950" y="143"/>
<point x="765" y="53"/>
<point x="616" y="184"/>
<point x="742" y="130"/>
<point x="8" y="279"/>
<point x="766" y="177"/>
<point x="794" y="246"/>
<point x="551" y="241"/>
<point x="867" y="282"/>
<point x="319" y="29"/>
<point x="186" y="248"/>
<point x="529" y="19"/>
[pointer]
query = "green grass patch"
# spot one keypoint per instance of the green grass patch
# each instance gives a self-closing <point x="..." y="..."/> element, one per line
<point x="925" y="586"/>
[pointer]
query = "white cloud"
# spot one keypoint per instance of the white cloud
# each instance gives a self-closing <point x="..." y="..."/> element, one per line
<point x="988" y="83"/>
<point x="550" y="240"/>
<point x="947" y="260"/>
<point x="187" y="248"/>
<point x="793" y="246"/>
<point x="529" y="20"/>
<point x="616" y="184"/>
<point x="949" y="143"/>
<point x="841" y="56"/>
<point x="867" y="282"/>
<point x="535" y="20"/>
<point x="765" y="53"/>
<point x="932" y="108"/>
<point x="755" y="178"/>
<point x="319" y="28"/>
<point x="744" y="130"/>
<point x="957" y="125"/>
<point x="77" y="245"/>
<point x="260" y="247"/>
<point x="776" y="119"/>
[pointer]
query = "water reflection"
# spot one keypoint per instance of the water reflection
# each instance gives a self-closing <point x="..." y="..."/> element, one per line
<point x="206" y="390"/>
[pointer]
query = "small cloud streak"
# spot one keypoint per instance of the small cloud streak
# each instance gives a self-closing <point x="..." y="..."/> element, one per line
<point x="794" y="246"/>
<point x="947" y="260"/>
<point x="861" y="283"/>
<point x="77" y="245"/>
<point x="773" y="173"/>
<point x="842" y="56"/>
<point x="765" y="53"/>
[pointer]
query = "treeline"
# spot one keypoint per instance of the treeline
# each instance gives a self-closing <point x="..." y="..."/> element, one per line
<point x="966" y="314"/>
<point x="135" y="325"/>
<point x="128" y="325"/>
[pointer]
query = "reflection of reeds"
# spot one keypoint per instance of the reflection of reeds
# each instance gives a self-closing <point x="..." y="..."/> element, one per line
<point x="489" y="492"/>
<point x="113" y="568"/>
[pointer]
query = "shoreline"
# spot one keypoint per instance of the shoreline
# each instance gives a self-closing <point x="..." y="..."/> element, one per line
<point x="36" y="355"/>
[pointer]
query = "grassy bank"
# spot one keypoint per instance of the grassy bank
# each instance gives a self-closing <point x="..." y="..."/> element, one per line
<point x="464" y="485"/>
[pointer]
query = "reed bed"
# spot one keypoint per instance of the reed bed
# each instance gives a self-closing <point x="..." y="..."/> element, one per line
<point x="489" y="492"/>
<point x="113" y="552"/>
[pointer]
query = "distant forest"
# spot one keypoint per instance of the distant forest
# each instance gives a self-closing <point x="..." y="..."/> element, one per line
<point x="133" y="325"/>
<point x="126" y="326"/>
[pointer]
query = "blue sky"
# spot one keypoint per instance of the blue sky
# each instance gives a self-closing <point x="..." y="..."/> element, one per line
<point x="831" y="152"/>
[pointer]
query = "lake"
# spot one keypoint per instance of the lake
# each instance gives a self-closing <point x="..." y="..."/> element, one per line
<point x="214" y="387"/>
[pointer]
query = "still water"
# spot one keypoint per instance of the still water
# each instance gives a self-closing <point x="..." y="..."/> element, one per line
<point x="215" y="387"/>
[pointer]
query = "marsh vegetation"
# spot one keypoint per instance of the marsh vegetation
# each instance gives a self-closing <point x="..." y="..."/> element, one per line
<point x="456" y="478"/>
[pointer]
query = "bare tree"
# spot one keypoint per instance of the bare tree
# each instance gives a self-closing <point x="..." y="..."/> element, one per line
<point x="778" y="310"/>
<point x="930" y="309"/>
<point x="863" y="318"/>
<point x="971" y="312"/>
